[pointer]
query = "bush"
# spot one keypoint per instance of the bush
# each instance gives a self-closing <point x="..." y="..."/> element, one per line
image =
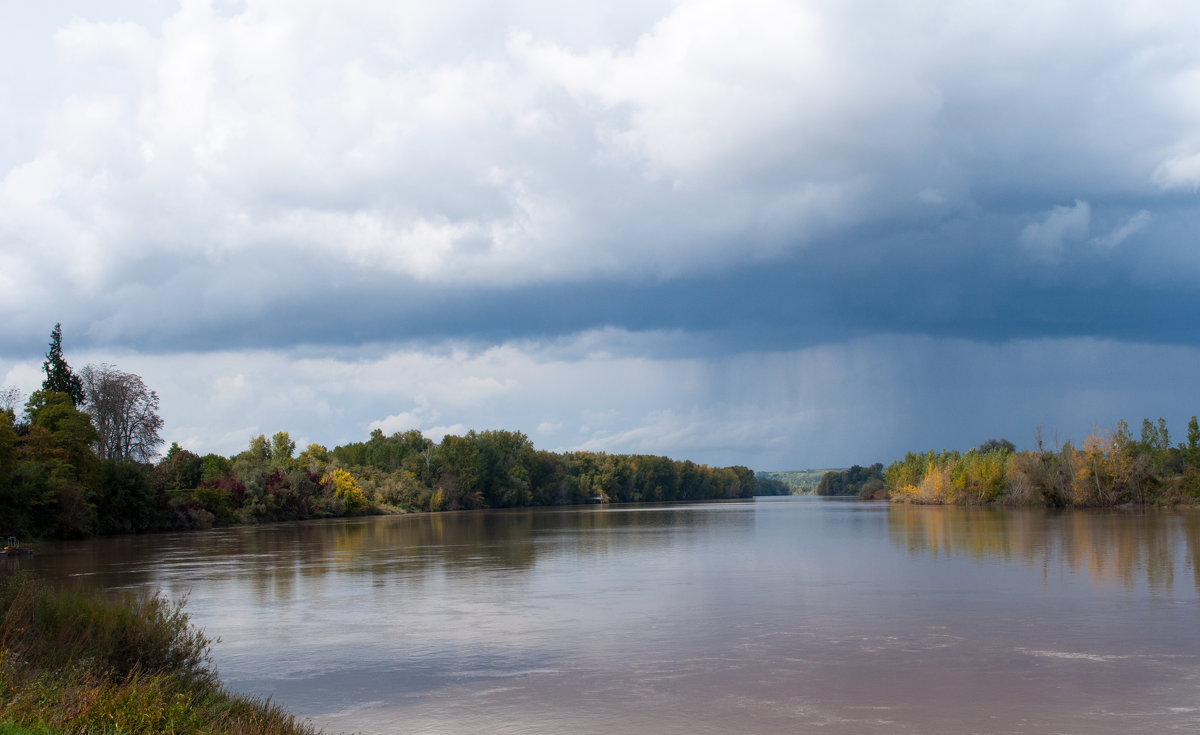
<point x="143" y="633"/>
<point x="72" y="661"/>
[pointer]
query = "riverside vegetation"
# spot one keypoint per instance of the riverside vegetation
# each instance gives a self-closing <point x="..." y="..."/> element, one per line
<point x="1109" y="468"/>
<point x="80" y="662"/>
<point x="82" y="460"/>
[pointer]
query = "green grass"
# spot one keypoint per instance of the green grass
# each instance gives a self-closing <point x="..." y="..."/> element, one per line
<point x="11" y="728"/>
<point x="79" y="662"/>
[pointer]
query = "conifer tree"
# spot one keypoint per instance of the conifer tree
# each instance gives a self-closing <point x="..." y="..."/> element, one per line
<point x="59" y="376"/>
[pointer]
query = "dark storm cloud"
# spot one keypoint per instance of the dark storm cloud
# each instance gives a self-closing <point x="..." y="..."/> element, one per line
<point x="690" y="181"/>
<point x="964" y="281"/>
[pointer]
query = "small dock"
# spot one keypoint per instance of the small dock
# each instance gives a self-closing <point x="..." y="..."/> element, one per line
<point x="13" y="547"/>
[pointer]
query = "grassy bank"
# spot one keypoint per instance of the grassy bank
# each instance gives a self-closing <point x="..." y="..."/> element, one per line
<point x="73" y="661"/>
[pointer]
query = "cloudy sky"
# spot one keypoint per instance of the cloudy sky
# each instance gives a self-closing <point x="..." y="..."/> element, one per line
<point x="781" y="234"/>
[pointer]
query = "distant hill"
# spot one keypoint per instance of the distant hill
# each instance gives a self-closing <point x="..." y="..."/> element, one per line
<point x="800" y="481"/>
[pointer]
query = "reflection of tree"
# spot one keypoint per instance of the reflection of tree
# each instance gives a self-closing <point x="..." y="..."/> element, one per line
<point x="1191" y="533"/>
<point x="1110" y="548"/>
<point x="284" y="561"/>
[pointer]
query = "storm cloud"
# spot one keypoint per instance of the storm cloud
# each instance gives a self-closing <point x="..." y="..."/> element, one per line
<point x="652" y="193"/>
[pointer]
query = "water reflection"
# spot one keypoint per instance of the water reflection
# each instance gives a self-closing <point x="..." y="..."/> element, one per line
<point x="1110" y="548"/>
<point x="276" y="560"/>
<point x="795" y="615"/>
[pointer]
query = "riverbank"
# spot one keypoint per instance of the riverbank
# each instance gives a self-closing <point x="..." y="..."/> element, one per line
<point x="1108" y="469"/>
<point x="73" y="661"/>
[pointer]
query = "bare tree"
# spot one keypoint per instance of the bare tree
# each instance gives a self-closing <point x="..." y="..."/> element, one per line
<point x="10" y="399"/>
<point x="124" y="411"/>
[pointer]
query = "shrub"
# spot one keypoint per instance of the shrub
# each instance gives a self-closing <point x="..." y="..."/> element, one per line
<point x="72" y="661"/>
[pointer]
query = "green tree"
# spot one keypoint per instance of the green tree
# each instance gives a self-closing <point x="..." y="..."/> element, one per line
<point x="1193" y="443"/>
<point x="8" y="440"/>
<point x="54" y="467"/>
<point x="282" y="446"/>
<point x="71" y="429"/>
<point x="992" y="445"/>
<point x="180" y="469"/>
<point x="313" y="458"/>
<point x="213" y="467"/>
<point x="260" y="448"/>
<point x="59" y="376"/>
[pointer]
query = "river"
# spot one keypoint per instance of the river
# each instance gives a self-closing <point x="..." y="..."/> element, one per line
<point x="794" y="615"/>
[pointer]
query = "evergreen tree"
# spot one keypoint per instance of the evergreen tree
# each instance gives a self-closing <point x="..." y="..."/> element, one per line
<point x="59" y="377"/>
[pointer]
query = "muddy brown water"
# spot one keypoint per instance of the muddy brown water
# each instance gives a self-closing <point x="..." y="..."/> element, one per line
<point x="771" y="616"/>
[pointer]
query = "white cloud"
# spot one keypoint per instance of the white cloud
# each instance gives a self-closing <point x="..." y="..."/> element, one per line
<point x="858" y="402"/>
<point x="530" y="145"/>
<point x="1180" y="172"/>
<point x="1127" y="229"/>
<point x="1046" y="238"/>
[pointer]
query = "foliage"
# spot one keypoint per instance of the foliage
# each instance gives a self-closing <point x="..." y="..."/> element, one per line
<point x="771" y="486"/>
<point x="50" y="469"/>
<point x="314" y="458"/>
<point x="59" y="377"/>
<point x="1108" y="468"/>
<point x="346" y="490"/>
<point x="180" y="469"/>
<point x="126" y="500"/>
<point x="72" y="661"/>
<point x="213" y="467"/>
<point x="71" y="472"/>
<point x="282" y="449"/>
<point x="858" y="480"/>
<point x="795" y="481"/>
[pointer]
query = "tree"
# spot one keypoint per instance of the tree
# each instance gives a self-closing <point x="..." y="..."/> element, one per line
<point x="180" y="468"/>
<point x="1193" y="443"/>
<point x="59" y="376"/>
<point x="10" y="398"/>
<point x="54" y="466"/>
<point x="997" y="445"/>
<point x="260" y="449"/>
<point x="124" y="411"/>
<point x="346" y="489"/>
<point x="282" y="448"/>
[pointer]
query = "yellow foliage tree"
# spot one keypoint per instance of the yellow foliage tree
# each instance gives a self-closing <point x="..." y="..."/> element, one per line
<point x="1093" y="464"/>
<point x="346" y="489"/>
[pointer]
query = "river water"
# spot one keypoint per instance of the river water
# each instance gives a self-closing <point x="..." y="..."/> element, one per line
<point x="796" y="615"/>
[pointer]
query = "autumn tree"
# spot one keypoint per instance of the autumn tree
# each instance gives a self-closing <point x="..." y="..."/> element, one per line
<point x="125" y="412"/>
<point x="346" y="489"/>
<point x="59" y="377"/>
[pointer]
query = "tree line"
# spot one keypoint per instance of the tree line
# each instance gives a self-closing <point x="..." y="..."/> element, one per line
<point x="1108" y="468"/>
<point x="82" y="459"/>
<point x="863" y="482"/>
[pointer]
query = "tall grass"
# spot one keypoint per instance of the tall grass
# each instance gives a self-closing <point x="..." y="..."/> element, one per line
<point x="73" y="661"/>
